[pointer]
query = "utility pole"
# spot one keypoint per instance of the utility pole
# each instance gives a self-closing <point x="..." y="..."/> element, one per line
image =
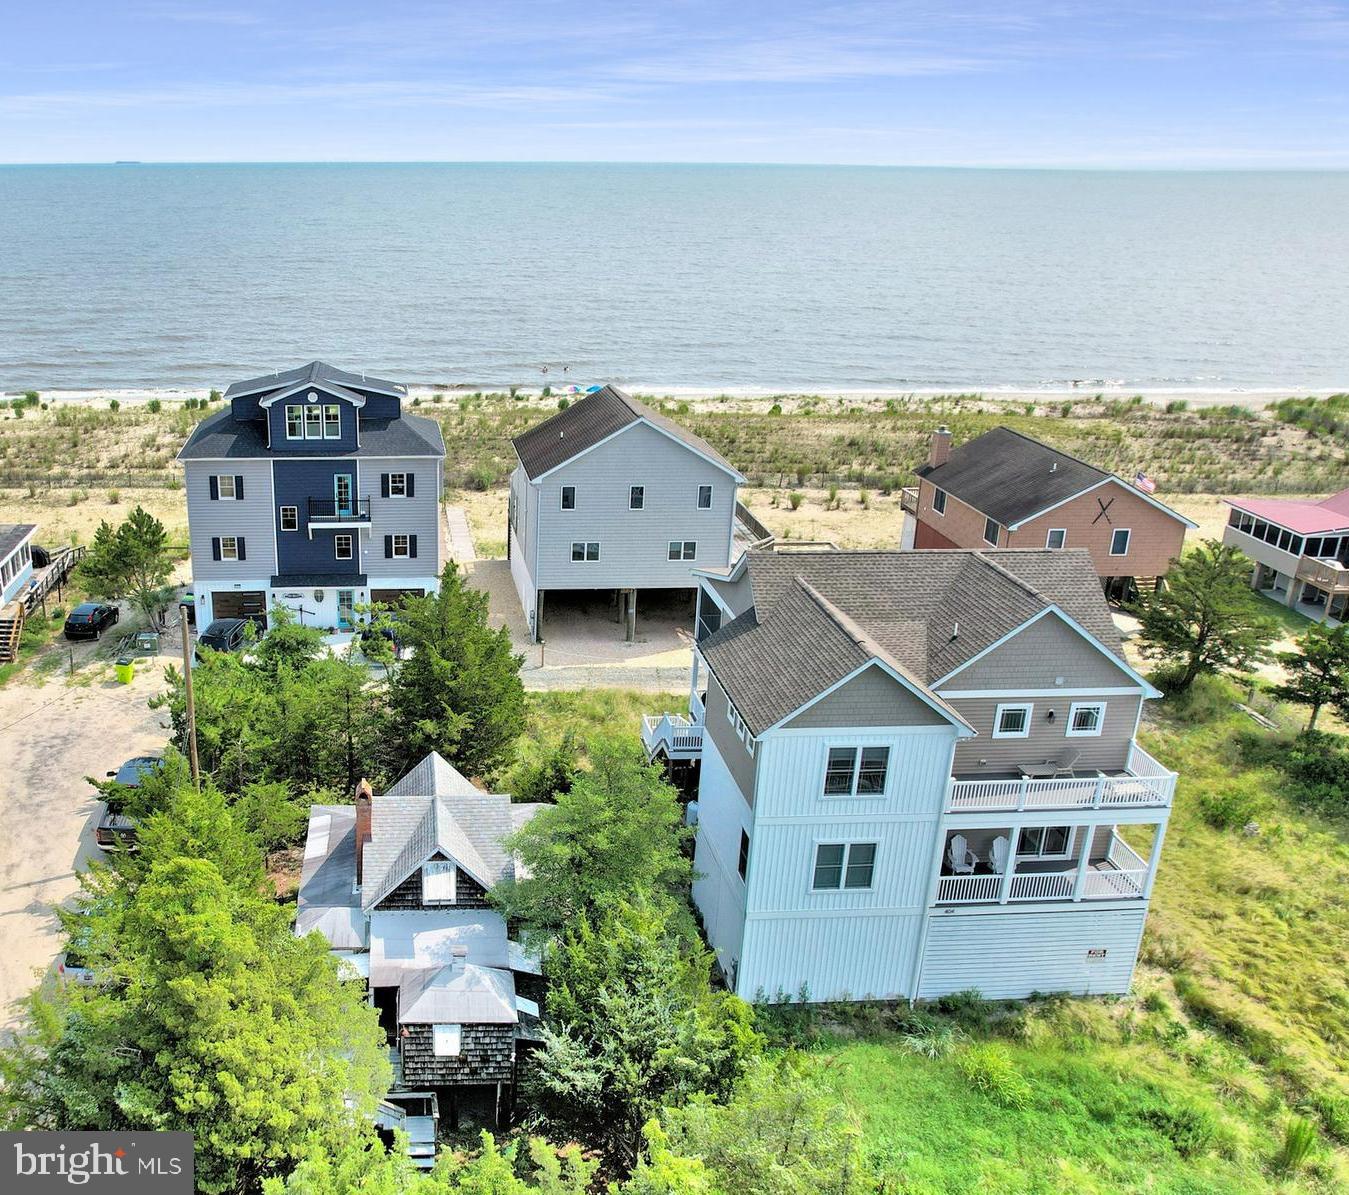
<point x="191" y="705"/>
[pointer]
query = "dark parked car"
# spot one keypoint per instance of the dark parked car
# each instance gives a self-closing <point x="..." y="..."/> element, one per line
<point x="389" y="631"/>
<point x="90" y="619"/>
<point x="115" y="828"/>
<point x="224" y="634"/>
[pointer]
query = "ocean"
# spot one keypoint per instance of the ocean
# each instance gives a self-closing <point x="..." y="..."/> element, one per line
<point x="149" y="276"/>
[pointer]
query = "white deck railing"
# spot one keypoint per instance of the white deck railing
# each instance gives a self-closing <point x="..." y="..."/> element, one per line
<point x="681" y="738"/>
<point x="1147" y="783"/>
<point x="1125" y="879"/>
<point x="961" y="889"/>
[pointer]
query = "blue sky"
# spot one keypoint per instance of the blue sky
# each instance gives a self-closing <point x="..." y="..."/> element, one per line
<point x="1264" y="83"/>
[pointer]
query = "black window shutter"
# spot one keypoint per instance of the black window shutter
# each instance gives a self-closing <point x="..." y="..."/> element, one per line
<point x="383" y="485"/>
<point x="388" y="547"/>
<point x="239" y="486"/>
<point x="242" y="554"/>
<point x="411" y="486"/>
<point x="215" y="489"/>
<point x="215" y="541"/>
<point x="412" y="547"/>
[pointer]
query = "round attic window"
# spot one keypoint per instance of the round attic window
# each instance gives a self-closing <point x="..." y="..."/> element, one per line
<point x="312" y="397"/>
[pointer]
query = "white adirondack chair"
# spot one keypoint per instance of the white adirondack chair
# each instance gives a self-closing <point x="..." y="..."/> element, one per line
<point x="998" y="854"/>
<point x="959" y="855"/>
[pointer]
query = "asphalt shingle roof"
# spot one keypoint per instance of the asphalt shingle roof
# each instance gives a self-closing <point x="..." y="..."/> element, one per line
<point x="12" y="535"/>
<point x="465" y="994"/>
<point x="314" y="371"/>
<point x="591" y="419"/>
<point x="818" y="616"/>
<point x="222" y="437"/>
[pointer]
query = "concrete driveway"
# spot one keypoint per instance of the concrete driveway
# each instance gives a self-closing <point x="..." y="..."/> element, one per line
<point x="52" y="736"/>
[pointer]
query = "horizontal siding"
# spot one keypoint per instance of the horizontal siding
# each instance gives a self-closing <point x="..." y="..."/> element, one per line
<point x="835" y="958"/>
<point x="418" y="515"/>
<point x="1047" y="740"/>
<point x="252" y="518"/>
<point x="872" y="698"/>
<point x="1009" y="956"/>
<point x="634" y="543"/>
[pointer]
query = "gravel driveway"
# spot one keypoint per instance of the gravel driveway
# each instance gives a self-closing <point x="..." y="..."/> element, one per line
<point x="53" y="735"/>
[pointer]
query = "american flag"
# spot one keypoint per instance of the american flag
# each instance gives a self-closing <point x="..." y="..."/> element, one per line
<point x="1145" y="483"/>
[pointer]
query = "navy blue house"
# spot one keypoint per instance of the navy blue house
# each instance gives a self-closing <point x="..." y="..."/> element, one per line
<point x="314" y="491"/>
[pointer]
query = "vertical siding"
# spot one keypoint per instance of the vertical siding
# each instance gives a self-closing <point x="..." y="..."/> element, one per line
<point x="418" y="515"/>
<point x="252" y="518"/>
<point x="718" y="893"/>
<point x="634" y="543"/>
<point x="1011" y="955"/>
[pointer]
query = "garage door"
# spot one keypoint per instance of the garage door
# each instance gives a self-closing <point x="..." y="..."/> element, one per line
<point x="233" y="603"/>
<point x="391" y="597"/>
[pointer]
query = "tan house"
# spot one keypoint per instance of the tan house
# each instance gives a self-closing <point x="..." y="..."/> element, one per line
<point x="1006" y="490"/>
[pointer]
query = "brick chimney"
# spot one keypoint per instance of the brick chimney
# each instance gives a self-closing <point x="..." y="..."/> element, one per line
<point x="940" y="452"/>
<point x="364" y="796"/>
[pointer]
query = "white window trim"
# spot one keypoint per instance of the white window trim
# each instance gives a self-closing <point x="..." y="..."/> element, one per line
<point x="351" y="546"/>
<point x="332" y="406"/>
<point x="1066" y="853"/>
<point x="1063" y="531"/>
<point x="401" y="481"/>
<point x="407" y="546"/>
<point x="853" y="794"/>
<point x="442" y="867"/>
<point x="220" y="480"/>
<point x="683" y="545"/>
<point x="630" y="496"/>
<point x="584" y="545"/>
<point x="998" y="733"/>
<point x="295" y="510"/>
<point x="1072" y="715"/>
<point x="847" y="845"/>
<point x="939" y="510"/>
<point x="232" y="552"/>
<point x="1128" y="540"/>
<point x="452" y="1042"/>
<point x="317" y="409"/>
<point x="295" y="407"/>
<point x="992" y="543"/>
<point x="742" y="730"/>
<point x="562" y="490"/>
<point x="698" y="495"/>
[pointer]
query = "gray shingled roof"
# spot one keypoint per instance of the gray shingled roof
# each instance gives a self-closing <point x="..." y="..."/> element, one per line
<point x="1009" y="477"/>
<point x="314" y="371"/>
<point x="818" y="616"/>
<point x="222" y="437"/>
<point x="591" y="419"/>
<point x="463" y="994"/>
<point x="12" y="535"/>
<point x="434" y="777"/>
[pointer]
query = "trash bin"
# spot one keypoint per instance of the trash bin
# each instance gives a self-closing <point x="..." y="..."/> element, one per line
<point x="125" y="669"/>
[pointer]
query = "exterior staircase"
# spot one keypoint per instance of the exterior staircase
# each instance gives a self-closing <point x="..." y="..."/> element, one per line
<point x="11" y="631"/>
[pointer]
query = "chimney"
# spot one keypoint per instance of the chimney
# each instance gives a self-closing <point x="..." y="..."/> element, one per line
<point x="363" y="799"/>
<point x="940" y="452"/>
<point x="458" y="957"/>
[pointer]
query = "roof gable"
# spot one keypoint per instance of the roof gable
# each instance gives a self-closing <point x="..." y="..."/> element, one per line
<point x="313" y="372"/>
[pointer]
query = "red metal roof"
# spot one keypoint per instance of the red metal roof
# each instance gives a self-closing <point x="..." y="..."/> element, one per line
<point x="1303" y="518"/>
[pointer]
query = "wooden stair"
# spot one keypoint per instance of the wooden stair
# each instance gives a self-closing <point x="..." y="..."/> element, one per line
<point x="11" y="632"/>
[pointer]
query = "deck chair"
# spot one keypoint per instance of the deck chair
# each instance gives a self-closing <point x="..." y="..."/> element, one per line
<point x="1066" y="767"/>
<point x="959" y="855"/>
<point x="998" y="855"/>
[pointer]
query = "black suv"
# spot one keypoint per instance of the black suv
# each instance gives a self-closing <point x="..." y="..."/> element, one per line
<point x="115" y="829"/>
<point x="224" y="634"/>
<point x="90" y="619"/>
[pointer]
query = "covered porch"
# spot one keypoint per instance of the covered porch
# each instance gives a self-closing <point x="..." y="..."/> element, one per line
<point x="1063" y="862"/>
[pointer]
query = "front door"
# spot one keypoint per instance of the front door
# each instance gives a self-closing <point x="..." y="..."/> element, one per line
<point x="346" y="608"/>
<point x="342" y="490"/>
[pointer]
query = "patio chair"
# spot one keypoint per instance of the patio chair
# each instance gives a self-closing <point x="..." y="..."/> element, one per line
<point x="1066" y="767"/>
<point x="998" y="854"/>
<point x="959" y="855"/>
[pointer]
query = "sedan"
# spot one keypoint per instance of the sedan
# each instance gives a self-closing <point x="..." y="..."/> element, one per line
<point x="90" y="619"/>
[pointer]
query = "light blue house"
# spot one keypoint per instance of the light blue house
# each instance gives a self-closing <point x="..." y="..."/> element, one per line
<point x="16" y="559"/>
<point x="314" y="491"/>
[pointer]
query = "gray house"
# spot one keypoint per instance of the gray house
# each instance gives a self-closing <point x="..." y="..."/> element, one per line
<point x="611" y="495"/>
<point x="314" y="491"/>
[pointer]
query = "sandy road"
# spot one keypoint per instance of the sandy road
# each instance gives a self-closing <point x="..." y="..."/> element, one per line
<point x="52" y="736"/>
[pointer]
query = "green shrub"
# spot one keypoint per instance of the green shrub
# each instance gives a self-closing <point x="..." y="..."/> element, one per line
<point x="1189" y="1128"/>
<point x="1228" y="808"/>
<point x="114" y="405"/>
<point x="1176" y="406"/>
<point x="547" y="392"/>
<point x="214" y="396"/>
<point x="795" y="498"/>
<point x="481" y="478"/>
<point x="154" y="406"/>
<point x="563" y="403"/>
<point x="988" y="1067"/>
<point x="114" y="497"/>
<point x="32" y="397"/>
<point x="775" y="409"/>
<point x="1299" y="1139"/>
<point x="968" y="1007"/>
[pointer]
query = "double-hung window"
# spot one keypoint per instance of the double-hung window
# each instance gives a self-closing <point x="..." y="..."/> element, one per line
<point x="568" y="497"/>
<point x="939" y="501"/>
<point x="290" y="518"/>
<point x="342" y="546"/>
<point x="704" y="497"/>
<point x="682" y="549"/>
<point x="843" y="865"/>
<point x="438" y="882"/>
<point x="1085" y="719"/>
<point x="401" y="545"/>
<point x="1056" y="538"/>
<point x="1119" y="541"/>
<point x="332" y="421"/>
<point x="1012" y="721"/>
<point x="313" y="422"/>
<point x="636" y="497"/>
<point x="587" y="551"/>
<point x="229" y="547"/>
<point x="854" y="772"/>
<point x="225" y="487"/>
<point x="295" y="423"/>
<point x="991" y="530"/>
<point x="398" y="485"/>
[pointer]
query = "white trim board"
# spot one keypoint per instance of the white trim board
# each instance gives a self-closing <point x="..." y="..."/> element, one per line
<point x="669" y="435"/>
<point x="955" y="694"/>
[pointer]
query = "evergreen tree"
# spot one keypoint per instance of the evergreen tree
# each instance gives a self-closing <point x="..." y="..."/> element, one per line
<point x="132" y="562"/>
<point x="459" y="692"/>
<point x="1205" y="619"/>
<point x="1318" y="672"/>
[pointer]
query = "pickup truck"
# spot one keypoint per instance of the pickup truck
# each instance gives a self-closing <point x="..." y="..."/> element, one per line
<point x="115" y="829"/>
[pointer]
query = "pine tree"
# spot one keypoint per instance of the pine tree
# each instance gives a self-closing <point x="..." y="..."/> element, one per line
<point x="1318" y="672"/>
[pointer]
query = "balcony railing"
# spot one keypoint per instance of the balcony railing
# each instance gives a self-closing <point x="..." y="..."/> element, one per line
<point x="1122" y="874"/>
<point x="1330" y="575"/>
<point x="1144" y="782"/>
<point x="679" y="737"/>
<point x="329" y="510"/>
<point x="908" y="500"/>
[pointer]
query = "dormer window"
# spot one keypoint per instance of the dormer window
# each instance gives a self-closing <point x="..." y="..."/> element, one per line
<point x="295" y="423"/>
<point x="438" y="882"/>
<point x="313" y="423"/>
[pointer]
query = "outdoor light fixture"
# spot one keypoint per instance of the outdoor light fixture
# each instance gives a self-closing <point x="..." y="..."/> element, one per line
<point x="1049" y="717"/>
